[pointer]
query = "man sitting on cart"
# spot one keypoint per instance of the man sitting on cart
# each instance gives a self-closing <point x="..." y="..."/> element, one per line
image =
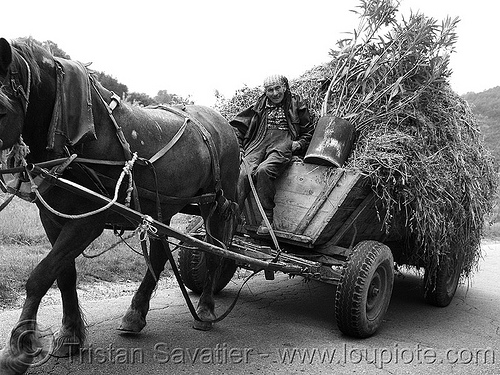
<point x="277" y="126"/>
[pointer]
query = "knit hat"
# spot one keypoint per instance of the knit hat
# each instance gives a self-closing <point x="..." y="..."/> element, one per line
<point x="276" y="79"/>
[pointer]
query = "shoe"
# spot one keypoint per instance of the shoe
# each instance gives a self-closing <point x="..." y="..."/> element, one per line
<point x="263" y="230"/>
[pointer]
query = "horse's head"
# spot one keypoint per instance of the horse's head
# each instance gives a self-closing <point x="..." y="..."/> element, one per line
<point x="15" y="77"/>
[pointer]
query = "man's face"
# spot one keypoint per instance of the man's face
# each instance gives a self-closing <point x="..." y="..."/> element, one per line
<point x="276" y="93"/>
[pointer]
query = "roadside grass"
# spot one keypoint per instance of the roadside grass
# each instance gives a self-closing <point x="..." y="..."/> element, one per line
<point x="20" y="224"/>
<point x="23" y="245"/>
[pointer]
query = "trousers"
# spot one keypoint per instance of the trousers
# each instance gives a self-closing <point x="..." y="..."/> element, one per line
<point x="265" y="162"/>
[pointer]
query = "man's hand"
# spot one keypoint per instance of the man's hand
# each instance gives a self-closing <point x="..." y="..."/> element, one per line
<point x="295" y="146"/>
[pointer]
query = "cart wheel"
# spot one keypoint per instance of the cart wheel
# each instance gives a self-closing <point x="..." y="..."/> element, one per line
<point x="364" y="290"/>
<point x="193" y="270"/>
<point x="440" y="290"/>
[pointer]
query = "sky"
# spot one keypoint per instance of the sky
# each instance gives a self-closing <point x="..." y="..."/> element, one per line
<point x="194" y="47"/>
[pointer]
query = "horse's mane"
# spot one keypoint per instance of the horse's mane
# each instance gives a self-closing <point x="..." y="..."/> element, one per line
<point x="28" y="48"/>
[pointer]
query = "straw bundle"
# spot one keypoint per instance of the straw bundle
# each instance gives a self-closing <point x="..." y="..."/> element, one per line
<point x="417" y="140"/>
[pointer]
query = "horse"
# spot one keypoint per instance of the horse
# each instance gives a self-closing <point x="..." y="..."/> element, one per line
<point x="57" y="108"/>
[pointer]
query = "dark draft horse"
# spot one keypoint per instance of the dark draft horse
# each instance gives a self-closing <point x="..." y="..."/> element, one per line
<point x="28" y="99"/>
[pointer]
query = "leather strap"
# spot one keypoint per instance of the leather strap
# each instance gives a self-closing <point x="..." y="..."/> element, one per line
<point x="119" y="131"/>
<point x="9" y="199"/>
<point x="185" y="293"/>
<point x="207" y="138"/>
<point x="169" y="145"/>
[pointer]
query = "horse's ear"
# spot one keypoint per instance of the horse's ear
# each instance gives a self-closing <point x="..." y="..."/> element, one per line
<point x="5" y="56"/>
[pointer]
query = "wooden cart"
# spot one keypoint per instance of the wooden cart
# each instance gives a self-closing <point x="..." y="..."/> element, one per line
<point x="328" y="224"/>
<point x="328" y="229"/>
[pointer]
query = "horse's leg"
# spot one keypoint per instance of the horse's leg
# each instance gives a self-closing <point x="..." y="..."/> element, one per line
<point x="220" y="228"/>
<point x="74" y="237"/>
<point x="206" y="304"/>
<point x="219" y="231"/>
<point x="71" y="335"/>
<point x="134" y="319"/>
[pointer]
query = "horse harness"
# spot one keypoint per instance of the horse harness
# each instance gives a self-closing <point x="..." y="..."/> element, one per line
<point x="59" y="165"/>
<point x="221" y="202"/>
<point x="159" y="198"/>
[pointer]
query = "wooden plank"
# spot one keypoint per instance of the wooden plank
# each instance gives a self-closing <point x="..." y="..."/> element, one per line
<point x="333" y="210"/>
<point x="354" y="216"/>
<point x="312" y="203"/>
<point x="287" y="236"/>
<point x="296" y="191"/>
<point x="331" y="250"/>
<point x="320" y="199"/>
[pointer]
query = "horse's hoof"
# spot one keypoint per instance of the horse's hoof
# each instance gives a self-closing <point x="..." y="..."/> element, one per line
<point x="14" y="364"/>
<point x="131" y="327"/>
<point x="65" y="346"/>
<point x="202" y="325"/>
<point x="123" y="331"/>
<point x="206" y="317"/>
<point x="132" y="322"/>
<point x="65" y="351"/>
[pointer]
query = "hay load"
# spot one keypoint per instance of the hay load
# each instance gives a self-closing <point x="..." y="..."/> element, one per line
<point x="417" y="140"/>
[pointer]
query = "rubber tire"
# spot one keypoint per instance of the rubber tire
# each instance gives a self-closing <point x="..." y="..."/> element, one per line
<point x="359" y="313"/>
<point x="193" y="271"/>
<point x="440" y="291"/>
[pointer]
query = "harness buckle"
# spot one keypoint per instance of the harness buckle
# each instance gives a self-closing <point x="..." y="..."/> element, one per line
<point x="115" y="101"/>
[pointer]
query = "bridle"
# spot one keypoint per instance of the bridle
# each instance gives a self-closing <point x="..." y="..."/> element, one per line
<point x="17" y="87"/>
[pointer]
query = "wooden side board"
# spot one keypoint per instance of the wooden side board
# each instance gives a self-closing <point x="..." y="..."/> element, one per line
<point x="314" y="202"/>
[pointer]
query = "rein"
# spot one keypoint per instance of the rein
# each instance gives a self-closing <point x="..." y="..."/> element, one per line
<point x="127" y="170"/>
<point x="9" y="199"/>
<point x="185" y="293"/>
<point x="59" y="161"/>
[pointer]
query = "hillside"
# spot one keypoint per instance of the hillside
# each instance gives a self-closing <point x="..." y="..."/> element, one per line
<point x="486" y="107"/>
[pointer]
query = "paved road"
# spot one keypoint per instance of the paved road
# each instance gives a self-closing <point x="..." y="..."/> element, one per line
<point x="288" y="326"/>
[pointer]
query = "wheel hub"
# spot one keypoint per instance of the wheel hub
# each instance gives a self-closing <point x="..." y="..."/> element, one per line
<point x="374" y="291"/>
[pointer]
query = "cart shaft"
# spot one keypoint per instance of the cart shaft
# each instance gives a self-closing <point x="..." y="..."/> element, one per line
<point x="163" y="229"/>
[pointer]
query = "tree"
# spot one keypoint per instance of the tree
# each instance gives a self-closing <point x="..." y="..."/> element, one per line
<point x="163" y="97"/>
<point x="55" y="50"/>
<point x="106" y="80"/>
<point x="486" y="107"/>
<point x="112" y="84"/>
<point x="486" y="103"/>
<point x="141" y="99"/>
<point x="177" y="99"/>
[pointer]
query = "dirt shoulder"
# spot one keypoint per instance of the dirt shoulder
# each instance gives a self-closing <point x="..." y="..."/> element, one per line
<point x="88" y="292"/>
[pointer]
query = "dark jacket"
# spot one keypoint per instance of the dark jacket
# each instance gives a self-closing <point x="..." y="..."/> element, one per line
<point x="248" y="121"/>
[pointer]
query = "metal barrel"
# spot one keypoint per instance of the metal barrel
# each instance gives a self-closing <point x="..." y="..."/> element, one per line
<point x="331" y="142"/>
